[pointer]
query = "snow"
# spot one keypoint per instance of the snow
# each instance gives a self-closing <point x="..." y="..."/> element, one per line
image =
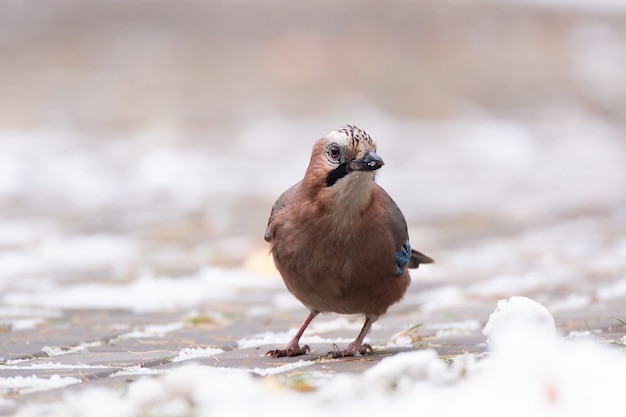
<point x="311" y="335"/>
<point x="51" y="366"/>
<point x="281" y="338"/>
<point x="192" y="353"/>
<point x="137" y="370"/>
<point x="153" y="330"/>
<point x="77" y="253"/>
<point x="30" y="384"/>
<point x="571" y="302"/>
<point x="583" y="333"/>
<point x="282" y="368"/>
<point x="454" y="328"/>
<point x="81" y="347"/>
<point x="529" y="371"/>
<point x="403" y="369"/>
<point x="21" y="324"/>
<point x="405" y="338"/>
<point x="612" y="291"/>
<point x="514" y="314"/>
<point x="440" y="298"/>
<point x="144" y="294"/>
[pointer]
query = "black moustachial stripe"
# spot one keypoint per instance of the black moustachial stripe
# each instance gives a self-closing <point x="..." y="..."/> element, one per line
<point x="336" y="174"/>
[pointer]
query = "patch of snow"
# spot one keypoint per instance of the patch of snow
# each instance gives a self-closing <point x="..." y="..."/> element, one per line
<point x="454" y="328"/>
<point x="282" y="368"/>
<point x="50" y="365"/>
<point x="144" y="294"/>
<point x="82" y="347"/>
<point x="311" y="335"/>
<point x="405" y="338"/>
<point x="339" y="323"/>
<point x="612" y="291"/>
<point x="19" y="311"/>
<point x="286" y="302"/>
<point x="153" y="330"/>
<point x="281" y="338"/>
<point x="30" y="384"/>
<point x="75" y="253"/>
<point x="583" y="333"/>
<point x="192" y="353"/>
<point x="101" y="402"/>
<point x="508" y="284"/>
<point x="570" y="303"/>
<point x="137" y="370"/>
<point x="518" y="313"/>
<point x="22" y="324"/>
<point x="440" y="298"/>
<point x="404" y="369"/>
<point x="17" y="233"/>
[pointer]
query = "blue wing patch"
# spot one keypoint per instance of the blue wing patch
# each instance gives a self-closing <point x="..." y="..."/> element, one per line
<point x="402" y="257"/>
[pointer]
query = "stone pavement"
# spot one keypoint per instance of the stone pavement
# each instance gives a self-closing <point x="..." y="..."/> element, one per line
<point x="114" y="347"/>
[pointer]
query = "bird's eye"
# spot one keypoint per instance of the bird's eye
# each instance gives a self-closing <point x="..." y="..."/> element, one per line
<point x="334" y="152"/>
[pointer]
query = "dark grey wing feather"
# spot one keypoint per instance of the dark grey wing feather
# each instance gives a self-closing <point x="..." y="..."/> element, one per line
<point x="418" y="258"/>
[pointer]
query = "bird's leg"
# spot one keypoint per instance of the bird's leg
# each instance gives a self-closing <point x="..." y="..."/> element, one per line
<point x="357" y="347"/>
<point x="293" y="348"/>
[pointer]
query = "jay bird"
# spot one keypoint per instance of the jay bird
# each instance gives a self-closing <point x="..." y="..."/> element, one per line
<point x="338" y="240"/>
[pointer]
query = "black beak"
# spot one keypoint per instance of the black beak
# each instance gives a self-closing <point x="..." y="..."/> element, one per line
<point x="370" y="162"/>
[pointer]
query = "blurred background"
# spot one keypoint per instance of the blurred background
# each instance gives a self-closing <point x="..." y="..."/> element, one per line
<point x="157" y="134"/>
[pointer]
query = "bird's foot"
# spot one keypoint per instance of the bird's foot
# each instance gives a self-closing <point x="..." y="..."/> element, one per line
<point x="352" y="350"/>
<point x="292" y="349"/>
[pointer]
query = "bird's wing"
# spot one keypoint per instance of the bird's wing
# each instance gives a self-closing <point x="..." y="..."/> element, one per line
<point x="405" y="254"/>
<point x="281" y="202"/>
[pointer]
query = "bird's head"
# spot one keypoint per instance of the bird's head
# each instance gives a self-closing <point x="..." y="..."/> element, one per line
<point x="342" y="152"/>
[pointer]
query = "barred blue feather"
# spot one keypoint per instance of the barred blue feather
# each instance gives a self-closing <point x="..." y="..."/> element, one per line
<point x="402" y="257"/>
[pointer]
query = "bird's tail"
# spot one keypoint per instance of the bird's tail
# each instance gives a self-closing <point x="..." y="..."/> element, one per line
<point x="418" y="258"/>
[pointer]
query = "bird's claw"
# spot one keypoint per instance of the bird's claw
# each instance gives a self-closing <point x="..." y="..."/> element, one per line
<point x="290" y="350"/>
<point x="352" y="350"/>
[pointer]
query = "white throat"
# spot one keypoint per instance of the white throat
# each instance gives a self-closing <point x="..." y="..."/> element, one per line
<point x="353" y="192"/>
